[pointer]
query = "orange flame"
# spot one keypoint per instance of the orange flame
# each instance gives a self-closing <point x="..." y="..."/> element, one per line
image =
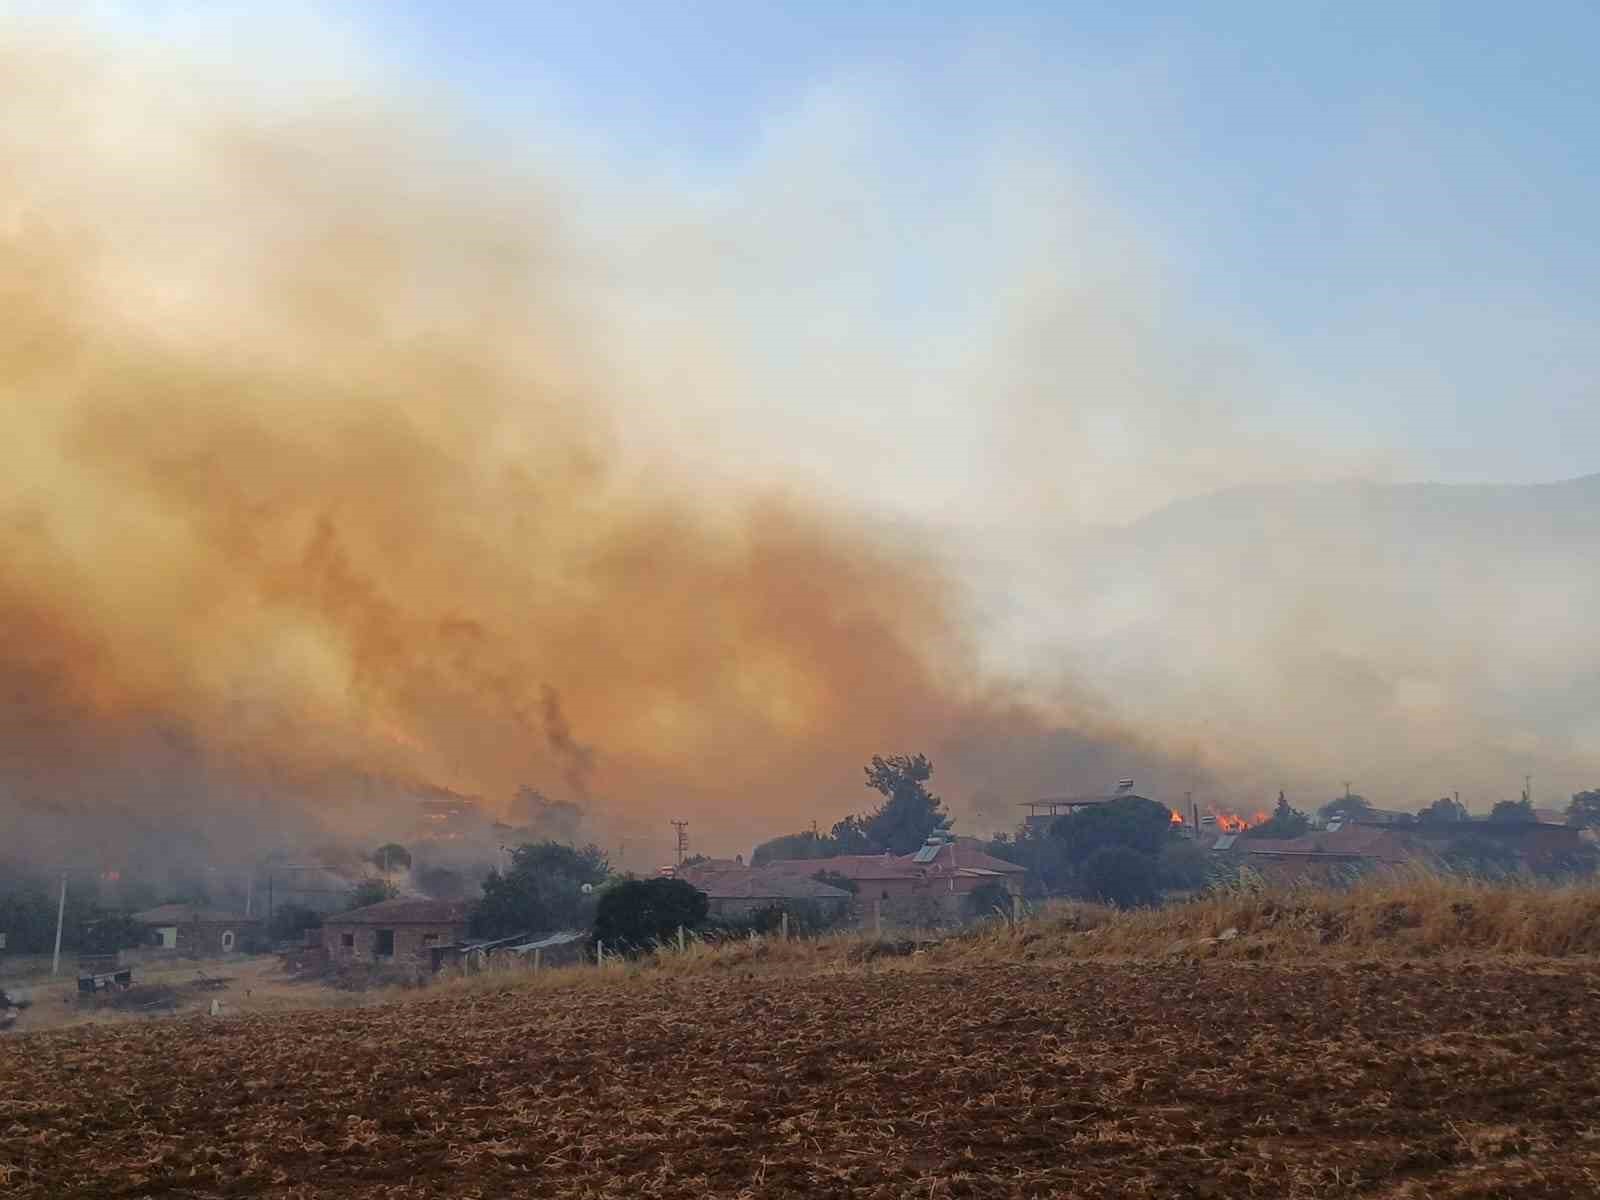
<point x="1177" y="817"/>
<point x="1233" y="823"/>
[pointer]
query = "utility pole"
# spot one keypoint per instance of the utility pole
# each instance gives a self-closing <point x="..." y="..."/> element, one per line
<point x="61" y="915"/>
<point x="682" y="848"/>
<point x="1527" y="789"/>
<point x="1347" y="789"/>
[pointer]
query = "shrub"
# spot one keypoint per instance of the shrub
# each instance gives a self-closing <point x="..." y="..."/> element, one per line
<point x="1120" y="875"/>
<point x="638" y="913"/>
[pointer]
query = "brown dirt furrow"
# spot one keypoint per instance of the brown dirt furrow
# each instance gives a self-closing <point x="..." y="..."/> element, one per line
<point x="1092" y="1080"/>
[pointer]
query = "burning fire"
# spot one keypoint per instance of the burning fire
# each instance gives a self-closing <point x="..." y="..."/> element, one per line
<point x="1233" y="823"/>
<point x="1177" y="817"/>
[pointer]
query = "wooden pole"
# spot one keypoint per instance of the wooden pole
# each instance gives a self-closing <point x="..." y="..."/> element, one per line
<point x="599" y="954"/>
<point x="680" y="939"/>
<point x="877" y="916"/>
<point x="536" y="953"/>
<point x="1016" y="910"/>
<point x="786" y="925"/>
<point x="61" y="914"/>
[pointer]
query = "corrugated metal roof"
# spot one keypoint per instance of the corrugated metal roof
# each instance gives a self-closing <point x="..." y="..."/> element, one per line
<point x="1226" y="841"/>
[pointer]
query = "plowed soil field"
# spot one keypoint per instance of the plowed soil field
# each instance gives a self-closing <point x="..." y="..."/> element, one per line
<point x="1090" y="1080"/>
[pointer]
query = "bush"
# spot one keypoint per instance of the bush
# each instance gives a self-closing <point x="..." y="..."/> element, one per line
<point x="986" y="898"/>
<point x="638" y="913"/>
<point x="1183" y="866"/>
<point x="1121" y="876"/>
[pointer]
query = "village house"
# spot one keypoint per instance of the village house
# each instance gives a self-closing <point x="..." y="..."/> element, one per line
<point x="397" y="931"/>
<point x="945" y="872"/>
<point x="1334" y="854"/>
<point x="202" y="932"/>
<point x="735" y="890"/>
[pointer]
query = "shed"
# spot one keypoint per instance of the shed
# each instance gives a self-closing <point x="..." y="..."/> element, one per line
<point x="404" y="930"/>
<point x="205" y="932"/>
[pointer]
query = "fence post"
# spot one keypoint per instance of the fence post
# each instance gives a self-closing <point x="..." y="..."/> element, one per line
<point x="786" y="924"/>
<point x="680" y="939"/>
<point x="877" y="917"/>
<point x="537" y="952"/>
<point x="599" y="953"/>
<point x="1016" y="910"/>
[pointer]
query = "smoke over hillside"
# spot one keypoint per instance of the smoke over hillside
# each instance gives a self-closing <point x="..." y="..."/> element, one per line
<point x="345" y="461"/>
<point x="316" y="478"/>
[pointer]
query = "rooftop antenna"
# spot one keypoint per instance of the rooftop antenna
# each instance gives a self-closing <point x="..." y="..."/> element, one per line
<point x="682" y="848"/>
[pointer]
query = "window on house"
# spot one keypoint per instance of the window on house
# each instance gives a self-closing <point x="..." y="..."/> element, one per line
<point x="227" y="939"/>
<point x="430" y="939"/>
<point x="385" y="948"/>
<point x="347" y="940"/>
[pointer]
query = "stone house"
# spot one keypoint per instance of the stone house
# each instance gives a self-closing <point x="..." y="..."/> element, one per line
<point x="202" y="932"/>
<point x="735" y="890"/>
<point x="394" y="931"/>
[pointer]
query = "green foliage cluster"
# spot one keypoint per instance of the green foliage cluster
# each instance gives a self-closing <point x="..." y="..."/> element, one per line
<point x="1126" y="852"/>
<point x="541" y="891"/>
<point x="904" y="820"/>
<point x="1513" y="812"/>
<point x="390" y="857"/>
<point x="1444" y="811"/>
<point x="1584" y="811"/>
<point x="28" y="908"/>
<point x="1287" y="822"/>
<point x="638" y="914"/>
<point x="371" y="889"/>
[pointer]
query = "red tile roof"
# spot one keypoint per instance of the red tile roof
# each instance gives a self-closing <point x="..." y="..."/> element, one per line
<point x="757" y="883"/>
<point x="851" y="866"/>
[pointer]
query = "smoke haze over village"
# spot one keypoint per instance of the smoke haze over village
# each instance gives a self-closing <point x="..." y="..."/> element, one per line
<point x="360" y="446"/>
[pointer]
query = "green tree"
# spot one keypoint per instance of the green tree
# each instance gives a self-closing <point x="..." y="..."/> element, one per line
<point x="1285" y="822"/>
<point x="1182" y="866"/>
<point x="637" y="914"/>
<point x="370" y="890"/>
<point x="1513" y="812"/>
<point x="1120" y="875"/>
<point x="1131" y="822"/>
<point x="391" y="856"/>
<point x="1584" y="811"/>
<point x="909" y="812"/>
<point x="791" y="846"/>
<point x="541" y="891"/>
<point x="850" y="836"/>
<point x="1444" y="811"/>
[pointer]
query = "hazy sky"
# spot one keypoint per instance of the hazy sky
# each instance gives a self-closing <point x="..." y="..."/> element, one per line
<point x="1019" y="265"/>
<point x="1383" y="214"/>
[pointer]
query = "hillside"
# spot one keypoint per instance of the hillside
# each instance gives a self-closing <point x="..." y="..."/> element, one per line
<point x="1417" y="638"/>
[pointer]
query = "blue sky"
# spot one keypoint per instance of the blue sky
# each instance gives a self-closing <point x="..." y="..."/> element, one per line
<point x="1389" y="207"/>
<point x="1017" y="249"/>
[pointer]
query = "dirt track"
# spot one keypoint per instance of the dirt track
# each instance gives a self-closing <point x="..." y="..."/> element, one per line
<point x="1215" y="1080"/>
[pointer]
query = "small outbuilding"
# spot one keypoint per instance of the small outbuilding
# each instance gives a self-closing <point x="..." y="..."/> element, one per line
<point x="394" y="931"/>
<point x="203" y="932"/>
